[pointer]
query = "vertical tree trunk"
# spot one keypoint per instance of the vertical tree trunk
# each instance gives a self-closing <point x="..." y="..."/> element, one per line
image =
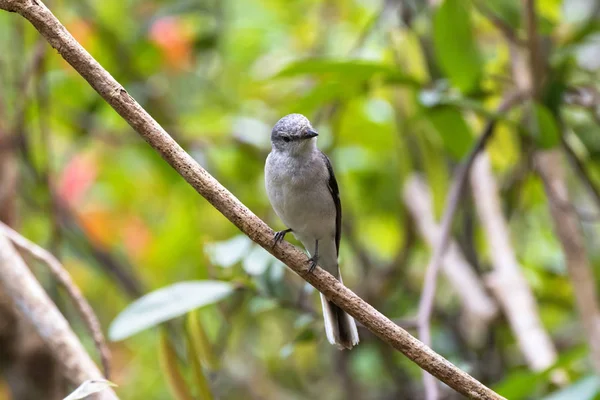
<point x="568" y="231"/>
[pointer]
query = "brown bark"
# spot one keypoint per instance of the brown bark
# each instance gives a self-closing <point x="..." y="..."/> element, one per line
<point x="570" y="235"/>
<point x="64" y="278"/>
<point x="32" y="304"/>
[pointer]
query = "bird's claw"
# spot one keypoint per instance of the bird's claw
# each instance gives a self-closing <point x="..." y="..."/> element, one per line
<point x="313" y="261"/>
<point x="279" y="236"/>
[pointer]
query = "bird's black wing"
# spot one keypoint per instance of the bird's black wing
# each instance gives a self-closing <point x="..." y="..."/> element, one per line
<point x="335" y="193"/>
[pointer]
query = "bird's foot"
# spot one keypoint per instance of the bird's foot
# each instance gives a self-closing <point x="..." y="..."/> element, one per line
<point x="279" y="236"/>
<point x="313" y="261"/>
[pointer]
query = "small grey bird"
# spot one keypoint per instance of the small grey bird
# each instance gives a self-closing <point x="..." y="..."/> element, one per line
<point x="304" y="193"/>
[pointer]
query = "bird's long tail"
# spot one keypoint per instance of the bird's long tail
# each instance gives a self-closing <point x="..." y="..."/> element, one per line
<point x="339" y="326"/>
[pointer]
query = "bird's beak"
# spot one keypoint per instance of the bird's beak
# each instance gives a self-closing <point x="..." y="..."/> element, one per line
<point x="311" y="134"/>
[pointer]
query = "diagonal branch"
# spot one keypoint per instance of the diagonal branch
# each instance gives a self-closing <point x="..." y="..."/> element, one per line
<point x="33" y="304"/>
<point x="479" y="308"/>
<point x="225" y="202"/>
<point x="580" y="170"/>
<point x="83" y="307"/>
<point x="433" y="267"/>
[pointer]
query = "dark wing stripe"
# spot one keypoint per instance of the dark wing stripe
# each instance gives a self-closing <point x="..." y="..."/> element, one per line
<point x="335" y="193"/>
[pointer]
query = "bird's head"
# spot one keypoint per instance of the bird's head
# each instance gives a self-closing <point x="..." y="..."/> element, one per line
<point x="293" y="134"/>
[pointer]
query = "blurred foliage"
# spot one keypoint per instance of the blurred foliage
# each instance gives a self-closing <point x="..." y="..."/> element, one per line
<point x="394" y="87"/>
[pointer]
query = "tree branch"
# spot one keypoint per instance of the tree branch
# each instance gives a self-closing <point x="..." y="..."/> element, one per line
<point x="479" y="308"/>
<point x="580" y="170"/>
<point x="433" y="267"/>
<point x="536" y="67"/>
<point x="507" y="280"/>
<point x="83" y="307"/>
<point x="34" y="305"/>
<point x="225" y="202"/>
<point x="566" y="227"/>
<point x="571" y="238"/>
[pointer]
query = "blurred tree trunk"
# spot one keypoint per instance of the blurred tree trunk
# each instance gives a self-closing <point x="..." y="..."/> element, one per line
<point x="569" y="233"/>
<point x="507" y="280"/>
<point x="478" y="308"/>
<point x="27" y="366"/>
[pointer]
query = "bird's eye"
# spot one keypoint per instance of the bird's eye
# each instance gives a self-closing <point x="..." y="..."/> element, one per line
<point x="286" y="139"/>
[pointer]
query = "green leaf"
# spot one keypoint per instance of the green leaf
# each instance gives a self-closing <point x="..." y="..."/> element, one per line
<point x="89" y="387"/>
<point x="257" y="261"/>
<point x="196" y="350"/>
<point x="199" y="339"/>
<point x="347" y="71"/>
<point x="453" y="129"/>
<point x="584" y="389"/>
<point x="305" y="335"/>
<point x="170" y="367"/>
<point x="520" y="384"/>
<point x="508" y="11"/>
<point x="454" y="44"/>
<point x="544" y="129"/>
<point x="228" y="252"/>
<point x="166" y="303"/>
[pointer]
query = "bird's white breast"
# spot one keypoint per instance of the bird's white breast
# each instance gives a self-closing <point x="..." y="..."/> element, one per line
<point x="298" y="191"/>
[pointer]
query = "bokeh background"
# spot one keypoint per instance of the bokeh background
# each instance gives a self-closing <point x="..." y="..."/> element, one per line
<point x="395" y="88"/>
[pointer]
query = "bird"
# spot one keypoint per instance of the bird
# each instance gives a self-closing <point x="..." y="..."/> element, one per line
<point x="304" y="193"/>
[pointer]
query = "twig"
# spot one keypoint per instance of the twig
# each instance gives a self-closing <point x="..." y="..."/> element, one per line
<point x="508" y="32"/>
<point x="225" y="202"/>
<point x="34" y="305"/>
<point x="44" y="110"/>
<point x="83" y="307"/>
<point x="536" y="68"/>
<point x="369" y="27"/>
<point x="581" y="172"/>
<point x="565" y="205"/>
<point x="478" y="307"/>
<point x="453" y="199"/>
<point x="328" y="111"/>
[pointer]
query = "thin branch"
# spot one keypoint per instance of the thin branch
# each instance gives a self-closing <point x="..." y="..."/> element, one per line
<point x="478" y="307"/>
<point x="536" y="68"/>
<point x="506" y="30"/>
<point x="225" y="202"/>
<point x="571" y="239"/>
<point x="581" y="172"/>
<point x="44" y="111"/>
<point x="60" y="273"/>
<point x="433" y="267"/>
<point x="329" y="110"/>
<point x="370" y="26"/>
<point x="34" y="305"/>
<point x="565" y="205"/>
